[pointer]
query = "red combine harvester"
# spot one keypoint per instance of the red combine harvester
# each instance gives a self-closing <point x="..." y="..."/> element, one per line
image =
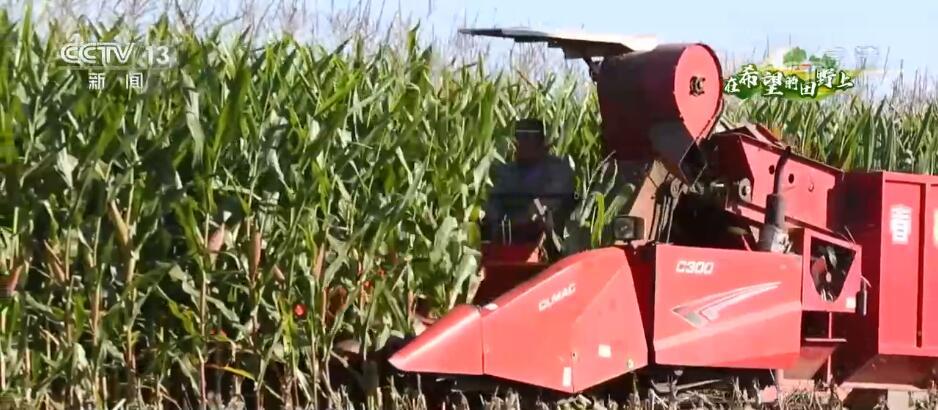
<point x="737" y="259"/>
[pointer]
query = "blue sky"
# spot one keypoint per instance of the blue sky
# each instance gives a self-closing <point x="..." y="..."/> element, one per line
<point x="905" y="29"/>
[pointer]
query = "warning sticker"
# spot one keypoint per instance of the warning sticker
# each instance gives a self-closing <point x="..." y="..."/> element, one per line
<point x="900" y="224"/>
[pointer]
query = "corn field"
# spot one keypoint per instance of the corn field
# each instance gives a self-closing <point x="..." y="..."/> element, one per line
<point x="215" y="234"/>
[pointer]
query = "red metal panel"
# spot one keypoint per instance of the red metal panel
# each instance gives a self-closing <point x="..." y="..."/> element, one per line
<point x="698" y="110"/>
<point x="929" y="322"/>
<point x="497" y="253"/>
<point x="726" y="308"/>
<point x="896" y="226"/>
<point x="901" y="222"/>
<point x="809" y="186"/>
<point x="806" y="188"/>
<point x="605" y="346"/>
<point x="452" y="345"/>
<point x="573" y="326"/>
<point x="543" y="330"/>
<point x="892" y="215"/>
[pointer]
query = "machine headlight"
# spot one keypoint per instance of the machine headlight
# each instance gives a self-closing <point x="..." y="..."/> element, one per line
<point x="628" y="228"/>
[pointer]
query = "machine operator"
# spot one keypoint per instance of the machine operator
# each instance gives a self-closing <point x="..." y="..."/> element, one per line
<point x="534" y="193"/>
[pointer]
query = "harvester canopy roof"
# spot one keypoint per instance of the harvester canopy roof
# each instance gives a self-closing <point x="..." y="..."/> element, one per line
<point x="575" y="44"/>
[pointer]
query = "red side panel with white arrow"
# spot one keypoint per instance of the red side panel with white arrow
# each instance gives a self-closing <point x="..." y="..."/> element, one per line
<point x="726" y="308"/>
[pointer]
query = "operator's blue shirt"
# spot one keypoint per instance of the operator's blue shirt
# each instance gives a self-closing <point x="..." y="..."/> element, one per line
<point x="550" y="176"/>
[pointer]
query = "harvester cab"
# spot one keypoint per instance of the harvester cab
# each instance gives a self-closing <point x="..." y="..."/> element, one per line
<point x="740" y="258"/>
<point x="657" y="107"/>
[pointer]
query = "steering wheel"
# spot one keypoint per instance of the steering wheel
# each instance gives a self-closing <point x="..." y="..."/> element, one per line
<point x="525" y="228"/>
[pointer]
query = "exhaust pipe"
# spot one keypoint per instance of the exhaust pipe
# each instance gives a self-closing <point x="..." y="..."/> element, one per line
<point x="773" y="237"/>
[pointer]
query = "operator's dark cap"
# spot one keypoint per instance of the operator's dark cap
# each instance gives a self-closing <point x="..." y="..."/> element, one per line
<point x="530" y="127"/>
